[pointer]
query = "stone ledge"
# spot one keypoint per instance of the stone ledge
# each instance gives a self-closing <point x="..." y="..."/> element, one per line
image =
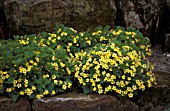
<point x="7" y="104"/>
<point x="81" y="102"/>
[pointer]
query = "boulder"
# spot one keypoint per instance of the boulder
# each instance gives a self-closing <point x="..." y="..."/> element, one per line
<point x="167" y="42"/>
<point x="157" y="98"/>
<point x="154" y="99"/>
<point x="2" y="33"/>
<point x="33" y="16"/>
<point x="145" y="15"/>
<point x="81" y="102"/>
<point x="28" y="16"/>
<point x="7" y="104"/>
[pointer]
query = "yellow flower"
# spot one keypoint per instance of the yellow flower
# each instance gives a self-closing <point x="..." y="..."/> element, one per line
<point x="38" y="96"/>
<point x="61" y="82"/>
<point x="123" y="77"/>
<point x="69" y="85"/>
<point x="68" y="48"/>
<point x="25" y="81"/>
<point x="126" y="82"/>
<point x="103" y="72"/>
<point x="118" y="91"/>
<point x="73" y="30"/>
<point x="97" y="79"/>
<point x="63" y="34"/>
<point x="113" y="77"/>
<point x="58" y="37"/>
<point x="53" y="76"/>
<point x="89" y="42"/>
<point x="129" y="89"/>
<point x="53" y="58"/>
<point x="54" y="40"/>
<point x="64" y="87"/>
<point x="129" y="78"/>
<point x="69" y="72"/>
<point x="100" y="91"/>
<point x="33" y="88"/>
<point x="7" y="76"/>
<point x="132" y="74"/>
<point x="94" y="88"/>
<point x="44" y="76"/>
<point x="26" y="85"/>
<point x="19" y="85"/>
<point x="142" y="46"/>
<point x="35" y="63"/>
<point x="28" y="91"/>
<point x="56" y="67"/>
<point x="45" y="92"/>
<point x="21" y="93"/>
<point x="49" y="38"/>
<point x="130" y="95"/>
<point x="62" y="64"/>
<point x="74" y="40"/>
<point x="31" y="61"/>
<point x="125" y="92"/>
<point x="8" y="90"/>
<point x="53" y="35"/>
<point x="58" y="46"/>
<point x="29" y="68"/>
<point x="1" y="81"/>
<point x="114" y="88"/>
<point x="107" y="75"/>
<point x="59" y="30"/>
<point x="128" y="33"/>
<point x="134" y="87"/>
<point x="142" y="87"/>
<point x="47" y="75"/>
<point x="69" y="44"/>
<point x="55" y="81"/>
<point x="53" y="92"/>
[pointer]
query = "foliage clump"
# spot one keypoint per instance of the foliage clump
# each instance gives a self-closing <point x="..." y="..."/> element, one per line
<point x="104" y="61"/>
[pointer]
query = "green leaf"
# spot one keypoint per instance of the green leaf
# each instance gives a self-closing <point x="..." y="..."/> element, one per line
<point x="40" y="89"/>
<point x="14" y="96"/>
<point x="50" y="87"/>
<point x="86" y="90"/>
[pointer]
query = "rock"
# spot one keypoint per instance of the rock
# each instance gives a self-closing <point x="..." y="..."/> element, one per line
<point x="154" y="99"/>
<point x="7" y="104"/>
<point x="145" y="15"/>
<point x="2" y="35"/>
<point x="81" y="102"/>
<point x="168" y="3"/>
<point x="167" y="42"/>
<point x="33" y="16"/>
<point x="28" y="16"/>
<point x="157" y="98"/>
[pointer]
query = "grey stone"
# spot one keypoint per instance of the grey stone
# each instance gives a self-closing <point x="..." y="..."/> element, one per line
<point x="142" y="14"/>
<point x="33" y="16"/>
<point x="7" y="104"/>
<point x="81" y="102"/>
<point x="167" y="42"/>
<point x="155" y="99"/>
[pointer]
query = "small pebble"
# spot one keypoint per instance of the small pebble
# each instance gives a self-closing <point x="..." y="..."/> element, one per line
<point x="168" y="55"/>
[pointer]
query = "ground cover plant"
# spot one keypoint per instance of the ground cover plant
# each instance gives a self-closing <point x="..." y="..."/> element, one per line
<point x="103" y="61"/>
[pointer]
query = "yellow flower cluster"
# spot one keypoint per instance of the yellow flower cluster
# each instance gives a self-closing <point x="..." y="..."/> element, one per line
<point x="103" y="61"/>
<point x="3" y="75"/>
<point x="102" y="65"/>
<point x="116" y="33"/>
